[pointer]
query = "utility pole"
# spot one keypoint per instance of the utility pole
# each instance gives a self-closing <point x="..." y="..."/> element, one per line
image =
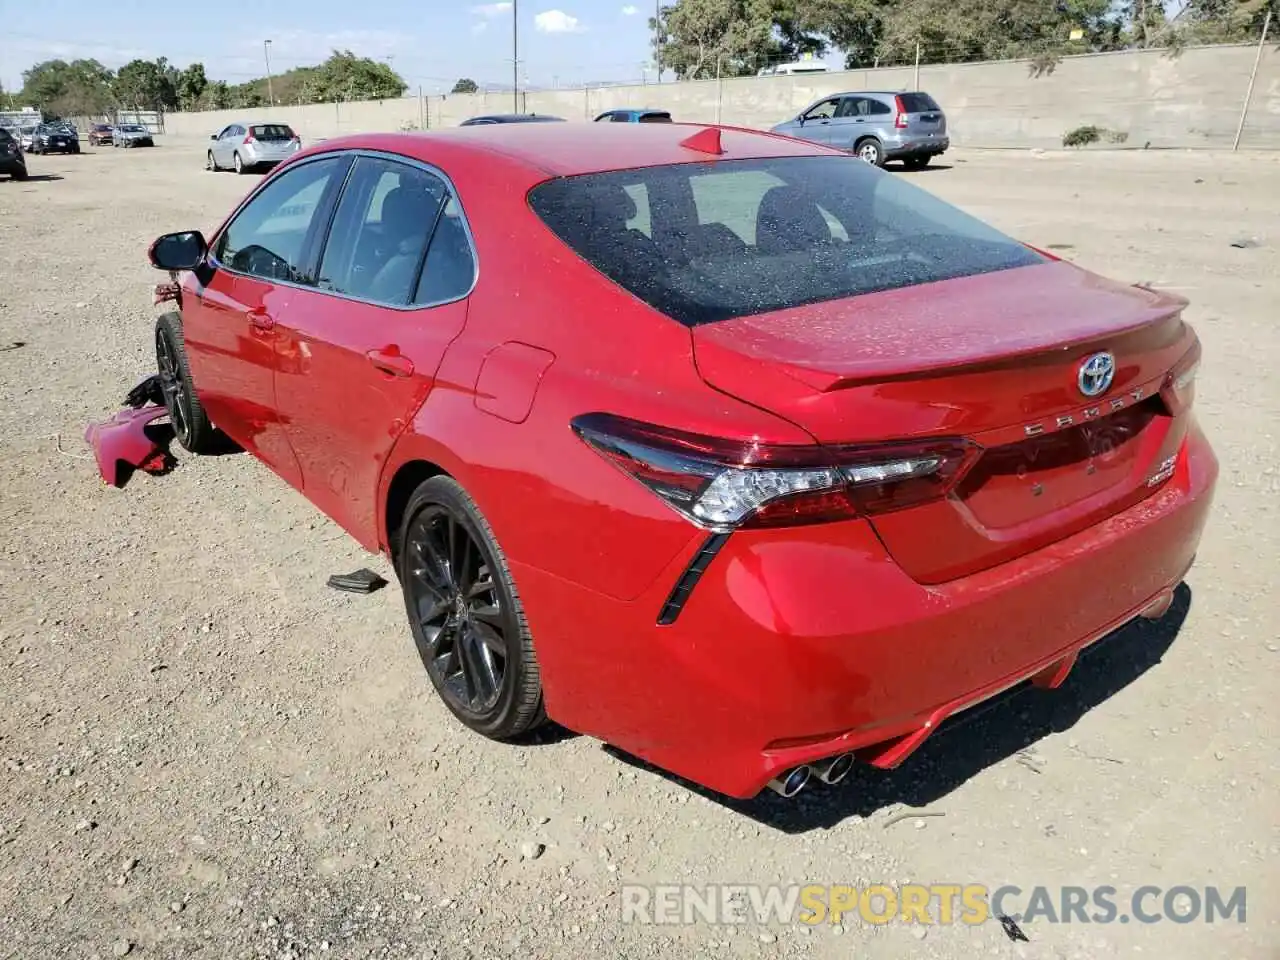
<point x="1244" y="111"/>
<point x="657" y="38"/>
<point x="515" y="56"/>
<point x="266" y="53"/>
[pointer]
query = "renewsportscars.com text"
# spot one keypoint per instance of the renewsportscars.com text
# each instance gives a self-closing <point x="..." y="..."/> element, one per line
<point x="938" y="903"/>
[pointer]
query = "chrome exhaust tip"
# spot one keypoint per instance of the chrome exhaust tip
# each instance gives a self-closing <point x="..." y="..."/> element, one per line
<point x="835" y="769"/>
<point x="791" y="781"/>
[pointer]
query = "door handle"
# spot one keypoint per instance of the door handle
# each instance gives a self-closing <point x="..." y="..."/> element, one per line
<point x="259" y="319"/>
<point x="392" y="363"/>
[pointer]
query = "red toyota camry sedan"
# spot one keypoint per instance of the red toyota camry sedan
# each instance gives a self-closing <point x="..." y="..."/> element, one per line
<point x="730" y="450"/>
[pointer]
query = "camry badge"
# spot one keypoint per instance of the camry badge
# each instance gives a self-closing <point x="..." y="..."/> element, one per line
<point x="1096" y="374"/>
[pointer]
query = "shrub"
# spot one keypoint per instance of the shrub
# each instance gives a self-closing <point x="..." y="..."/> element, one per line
<point x="1081" y="136"/>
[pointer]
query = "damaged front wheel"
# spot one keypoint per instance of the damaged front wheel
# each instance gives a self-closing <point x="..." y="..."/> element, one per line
<point x="190" y="424"/>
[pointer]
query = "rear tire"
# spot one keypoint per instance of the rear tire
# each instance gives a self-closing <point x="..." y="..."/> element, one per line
<point x="20" y="174"/>
<point x="465" y="614"/>
<point x="238" y="163"/>
<point x="870" y="150"/>
<point x="190" y="423"/>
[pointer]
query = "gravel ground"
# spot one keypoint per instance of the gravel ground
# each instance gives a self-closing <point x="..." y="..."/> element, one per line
<point x="209" y="753"/>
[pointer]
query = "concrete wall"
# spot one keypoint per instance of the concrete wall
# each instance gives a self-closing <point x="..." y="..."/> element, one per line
<point x="1191" y="100"/>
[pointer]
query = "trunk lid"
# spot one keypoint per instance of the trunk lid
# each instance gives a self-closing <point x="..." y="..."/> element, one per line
<point x="995" y="358"/>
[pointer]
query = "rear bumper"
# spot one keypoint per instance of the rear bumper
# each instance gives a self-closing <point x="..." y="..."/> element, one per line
<point x="10" y="166"/>
<point x="801" y="644"/>
<point x="255" y="158"/>
<point x="920" y="147"/>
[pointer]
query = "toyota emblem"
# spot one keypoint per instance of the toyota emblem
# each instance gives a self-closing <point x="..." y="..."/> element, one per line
<point x="1096" y="374"/>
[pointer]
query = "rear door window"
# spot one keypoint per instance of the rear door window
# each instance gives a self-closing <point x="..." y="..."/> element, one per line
<point x="737" y="238"/>
<point x="380" y="231"/>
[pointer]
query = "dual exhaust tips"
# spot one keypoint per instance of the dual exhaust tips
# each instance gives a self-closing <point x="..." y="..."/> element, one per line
<point x="833" y="770"/>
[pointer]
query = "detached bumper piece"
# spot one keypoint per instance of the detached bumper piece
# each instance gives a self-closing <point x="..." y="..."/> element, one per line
<point x="124" y="443"/>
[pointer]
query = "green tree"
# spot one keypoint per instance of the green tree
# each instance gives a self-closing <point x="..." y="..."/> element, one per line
<point x="344" y="76"/>
<point x="465" y="85"/>
<point x="78" y="88"/>
<point x="699" y="39"/>
<point x="146" y="85"/>
<point x="217" y="96"/>
<point x="191" y="85"/>
<point x="1226" y="21"/>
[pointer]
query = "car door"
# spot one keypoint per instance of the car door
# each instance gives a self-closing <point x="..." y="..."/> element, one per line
<point x="817" y="121"/>
<point x="215" y="146"/>
<point x="226" y="145"/>
<point x="256" y="264"/>
<point x="850" y="122"/>
<point x="371" y="337"/>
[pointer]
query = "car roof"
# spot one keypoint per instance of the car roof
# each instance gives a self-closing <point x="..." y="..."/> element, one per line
<point x="568" y="149"/>
<point x="513" y="117"/>
<point x="877" y="93"/>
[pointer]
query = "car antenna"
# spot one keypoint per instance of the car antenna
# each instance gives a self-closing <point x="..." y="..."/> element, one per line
<point x="706" y="140"/>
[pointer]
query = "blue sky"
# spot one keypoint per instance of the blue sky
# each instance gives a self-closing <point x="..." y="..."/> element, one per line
<point x="432" y="43"/>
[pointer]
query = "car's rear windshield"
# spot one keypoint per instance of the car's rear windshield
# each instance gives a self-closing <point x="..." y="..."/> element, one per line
<point x="132" y="128"/>
<point x="271" y="131"/>
<point x="5" y="135"/>
<point x="704" y="242"/>
<point x="918" y="103"/>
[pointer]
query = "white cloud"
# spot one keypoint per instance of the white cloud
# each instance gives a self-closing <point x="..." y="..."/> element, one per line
<point x="557" y="21"/>
<point x="488" y="11"/>
<point x="629" y="11"/>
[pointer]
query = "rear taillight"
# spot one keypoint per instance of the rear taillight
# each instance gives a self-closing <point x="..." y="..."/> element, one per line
<point x="249" y="138"/>
<point x="725" y="484"/>
<point x="1179" y="390"/>
<point x="900" y="117"/>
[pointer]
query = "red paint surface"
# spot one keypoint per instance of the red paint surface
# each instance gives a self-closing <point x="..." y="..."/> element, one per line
<point x="122" y="444"/>
<point x="798" y="642"/>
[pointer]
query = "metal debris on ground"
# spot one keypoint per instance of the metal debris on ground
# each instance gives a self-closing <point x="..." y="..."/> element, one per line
<point x="1012" y="930"/>
<point x="910" y="815"/>
<point x="361" y="581"/>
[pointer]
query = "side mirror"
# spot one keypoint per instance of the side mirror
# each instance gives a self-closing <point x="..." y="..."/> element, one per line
<point x="178" y="251"/>
<point x="800" y="119"/>
<point x="213" y="136"/>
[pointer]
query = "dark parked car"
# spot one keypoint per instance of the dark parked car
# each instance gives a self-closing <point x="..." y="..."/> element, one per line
<point x="100" y="135"/>
<point x="131" y="135"/>
<point x="878" y="127"/>
<point x="510" y="118"/>
<point x="11" y="160"/>
<point x="55" y="138"/>
<point x="634" y="115"/>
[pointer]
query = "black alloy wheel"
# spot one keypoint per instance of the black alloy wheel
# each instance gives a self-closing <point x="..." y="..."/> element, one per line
<point x="175" y="394"/>
<point x="191" y="425"/>
<point x="466" y="619"/>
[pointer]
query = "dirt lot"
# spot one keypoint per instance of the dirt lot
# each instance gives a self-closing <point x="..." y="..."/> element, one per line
<point x="207" y="752"/>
